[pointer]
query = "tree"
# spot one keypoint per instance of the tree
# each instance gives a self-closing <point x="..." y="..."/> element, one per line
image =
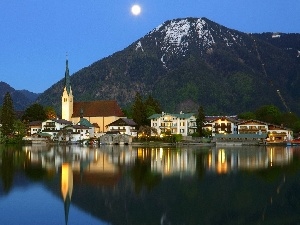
<point x="147" y="131"/>
<point x="269" y="114"/>
<point x="139" y="111"/>
<point x="200" y="121"/>
<point x="19" y="129"/>
<point x="50" y="112"/>
<point x="152" y="106"/>
<point x="35" y="112"/>
<point x="289" y="119"/>
<point x="247" y="116"/>
<point x="7" y="116"/>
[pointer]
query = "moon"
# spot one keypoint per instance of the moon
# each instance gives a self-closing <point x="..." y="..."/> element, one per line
<point x="136" y="10"/>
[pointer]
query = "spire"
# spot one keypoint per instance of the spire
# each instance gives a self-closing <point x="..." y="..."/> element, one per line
<point x="81" y="113"/>
<point x="67" y="77"/>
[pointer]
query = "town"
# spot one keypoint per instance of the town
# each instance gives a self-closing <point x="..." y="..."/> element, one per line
<point x="103" y="122"/>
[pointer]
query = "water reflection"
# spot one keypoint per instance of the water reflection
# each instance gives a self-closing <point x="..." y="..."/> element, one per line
<point x="128" y="185"/>
<point x="108" y="160"/>
<point x="171" y="162"/>
<point x="221" y="160"/>
<point x="66" y="187"/>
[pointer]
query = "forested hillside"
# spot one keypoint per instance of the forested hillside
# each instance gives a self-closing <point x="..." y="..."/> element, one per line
<point x="185" y="63"/>
<point x="21" y="98"/>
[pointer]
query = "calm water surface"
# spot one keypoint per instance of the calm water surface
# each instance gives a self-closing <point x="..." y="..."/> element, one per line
<point x="128" y="185"/>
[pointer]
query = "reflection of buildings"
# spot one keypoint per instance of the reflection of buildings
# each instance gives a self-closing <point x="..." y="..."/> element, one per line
<point x="66" y="187"/>
<point x="102" y="167"/>
<point x="170" y="161"/>
<point x="93" y="166"/>
<point x="221" y="160"/>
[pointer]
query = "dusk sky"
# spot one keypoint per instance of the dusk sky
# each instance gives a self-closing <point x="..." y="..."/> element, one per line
<point x="36" y="35"/>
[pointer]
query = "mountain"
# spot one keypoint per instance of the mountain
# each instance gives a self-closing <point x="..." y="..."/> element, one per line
<point x="189" y="62"/>
<point x="21" y="98"/>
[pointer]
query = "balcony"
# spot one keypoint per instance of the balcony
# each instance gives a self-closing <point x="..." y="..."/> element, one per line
<point x="168" y="126"/>
<point x="120" y="130"/>
<point x="252" y="129"/>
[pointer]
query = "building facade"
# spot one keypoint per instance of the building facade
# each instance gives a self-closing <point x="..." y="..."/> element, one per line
<point x="123" y="126"/>
<point x="182" y="123"/>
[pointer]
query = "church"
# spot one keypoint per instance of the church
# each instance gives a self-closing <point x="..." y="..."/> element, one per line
<point x="100" y="113"/>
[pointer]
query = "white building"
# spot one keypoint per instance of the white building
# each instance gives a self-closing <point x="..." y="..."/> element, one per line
<point x="221" y="124"/>
<point x="54" y="126"/>
<point x="182" y="123"/>
<point x="123" y="126"/>
<point x="34" y="127"/>
<point x="275" y="133"/>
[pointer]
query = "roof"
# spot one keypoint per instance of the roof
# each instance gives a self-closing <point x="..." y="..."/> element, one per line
<point x="270" y="126"/>
<point x="100" y="108"/>
<point x="252" y="121"/>
<point x="215" y="118"/>
<point x="62" y="121"/>
<point x="177" y="115"/>
<point x="122" y="122"/>
<point x="35" y="123"/>
<point x="154" y="116"/>
<point x="84" y="122"/>
<point x="96" y="125"/>
<point x="277" y="127"/>
<point x="67" y="78"/>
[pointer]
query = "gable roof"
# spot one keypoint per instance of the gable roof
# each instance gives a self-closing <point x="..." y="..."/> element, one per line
<point x="62" y="121"/>
<point x="214" y="118"/>
<point x="230" y="119"/>
<point x="154" y="116"/>
<point x="96" y="125"/>
<point x="252" y="121"/>
<point x="84" y="122"/>
<point x="100" y="108"/>
<point x="35" y="123"/>
<point x="177" y="115"/>
<point x="122" y="122"/>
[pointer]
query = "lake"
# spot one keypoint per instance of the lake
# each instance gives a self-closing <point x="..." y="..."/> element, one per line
<point x="149" y="185"/>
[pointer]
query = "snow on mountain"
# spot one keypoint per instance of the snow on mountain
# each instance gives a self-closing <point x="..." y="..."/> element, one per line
<point x="178" y="36"/>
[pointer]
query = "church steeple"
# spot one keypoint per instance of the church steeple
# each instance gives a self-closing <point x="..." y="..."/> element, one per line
<point x="67" y="96"/>
<point x="67" y="77"/>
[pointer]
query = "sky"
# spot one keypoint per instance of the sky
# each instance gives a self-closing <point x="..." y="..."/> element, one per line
<point x="36" y="36"/>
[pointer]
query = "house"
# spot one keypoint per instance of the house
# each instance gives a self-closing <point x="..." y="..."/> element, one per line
<point x="279" y="134"/>
<point x="91" y="127"/>
<point x="221" y="124"/>
<point x="53" y="126"/>
<point x="34" y="127"/>
<point x="123" y="126"/>
<point x="101" y="112"/>
<point x="275" y="133"/>
<point x="252" y="127"/>
<point x="73" y="133"/>
<point x="182" y="123"/>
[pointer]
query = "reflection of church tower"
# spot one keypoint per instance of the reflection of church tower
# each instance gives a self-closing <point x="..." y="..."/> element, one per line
<point x="67" y="97"/>
<point x="66" y="187"/>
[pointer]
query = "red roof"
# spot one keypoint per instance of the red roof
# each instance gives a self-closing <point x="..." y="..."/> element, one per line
<point x="101" y="108"/>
